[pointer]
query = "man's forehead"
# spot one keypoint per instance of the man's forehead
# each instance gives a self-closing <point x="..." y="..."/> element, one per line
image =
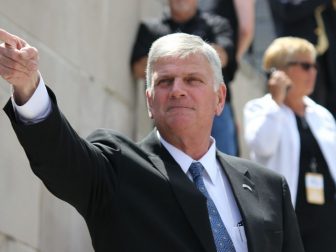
<point x="182" y="67"/>
<point x="192" y="59"/>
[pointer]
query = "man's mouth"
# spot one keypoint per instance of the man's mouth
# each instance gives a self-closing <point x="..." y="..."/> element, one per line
<point x="177" y="107"/>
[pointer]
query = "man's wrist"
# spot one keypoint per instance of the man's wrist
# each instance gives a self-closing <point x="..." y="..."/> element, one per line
<point x="23" y="93"/>
<point x="37" y="108"/>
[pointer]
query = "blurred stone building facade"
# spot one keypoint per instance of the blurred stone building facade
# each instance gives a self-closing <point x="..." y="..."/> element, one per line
<point x="84" y="57"/>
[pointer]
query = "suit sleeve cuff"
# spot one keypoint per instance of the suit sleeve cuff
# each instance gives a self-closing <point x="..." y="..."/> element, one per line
<point x="37" y="108"/>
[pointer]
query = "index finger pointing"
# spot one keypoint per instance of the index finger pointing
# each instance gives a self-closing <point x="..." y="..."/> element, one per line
<point x="9" y="39"/>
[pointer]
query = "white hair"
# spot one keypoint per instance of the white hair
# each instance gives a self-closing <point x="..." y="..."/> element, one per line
<point x="182" y="45"/>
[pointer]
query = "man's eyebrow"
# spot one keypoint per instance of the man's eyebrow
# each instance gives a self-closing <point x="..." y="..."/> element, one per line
<point x="193" y="74"/>
<point x="164" y="75"/>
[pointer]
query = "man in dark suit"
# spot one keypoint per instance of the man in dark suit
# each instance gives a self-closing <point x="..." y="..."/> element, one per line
<point x="171" y="192"/>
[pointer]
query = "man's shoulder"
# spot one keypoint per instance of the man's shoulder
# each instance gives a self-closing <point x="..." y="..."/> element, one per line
<point x="250" y="167"/>
<point x="264" y="179"/>
<point x="109" y="137"/>
<point x="112" y="140"/>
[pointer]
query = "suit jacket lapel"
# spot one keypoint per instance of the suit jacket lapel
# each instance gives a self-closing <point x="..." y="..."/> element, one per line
<point x="246" y="195"/>
<point x="191" y="200"/>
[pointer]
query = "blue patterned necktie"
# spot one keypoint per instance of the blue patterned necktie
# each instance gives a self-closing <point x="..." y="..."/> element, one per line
<point x="221" y="236"/>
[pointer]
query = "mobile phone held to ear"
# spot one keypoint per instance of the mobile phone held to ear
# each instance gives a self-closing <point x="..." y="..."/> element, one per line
<point x="270" y="72"/>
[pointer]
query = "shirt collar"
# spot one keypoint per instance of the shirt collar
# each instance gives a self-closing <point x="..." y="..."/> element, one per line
<point x="208" y="160"/>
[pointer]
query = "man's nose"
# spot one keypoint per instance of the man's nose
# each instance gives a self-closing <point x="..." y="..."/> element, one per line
<point x="177" y="88"/>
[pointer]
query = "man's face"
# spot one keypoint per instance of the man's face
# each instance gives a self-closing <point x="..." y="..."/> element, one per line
<point x="182" y="98"/>
<point x="182" y="6"/>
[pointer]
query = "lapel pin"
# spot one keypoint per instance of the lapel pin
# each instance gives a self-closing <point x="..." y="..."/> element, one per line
<point x="247" y="187"/>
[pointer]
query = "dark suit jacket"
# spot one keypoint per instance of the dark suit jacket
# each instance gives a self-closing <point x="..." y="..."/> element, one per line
<point x="135" y="197"/>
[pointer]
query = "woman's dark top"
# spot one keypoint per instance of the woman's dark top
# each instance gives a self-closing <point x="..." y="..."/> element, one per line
<point x="317" y="222"/>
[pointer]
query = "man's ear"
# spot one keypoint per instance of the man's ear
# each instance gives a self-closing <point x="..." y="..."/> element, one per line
<point x="149" y="101"/>
<point x="220" y="101"/>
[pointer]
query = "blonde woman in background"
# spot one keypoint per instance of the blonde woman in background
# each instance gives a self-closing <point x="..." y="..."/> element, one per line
<point x="288" y="132"/>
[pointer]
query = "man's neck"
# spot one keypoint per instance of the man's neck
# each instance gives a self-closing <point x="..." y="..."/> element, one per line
<point x="194" y="147"/>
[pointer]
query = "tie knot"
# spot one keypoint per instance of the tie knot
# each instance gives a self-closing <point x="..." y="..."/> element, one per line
<point x="196" y="169"/>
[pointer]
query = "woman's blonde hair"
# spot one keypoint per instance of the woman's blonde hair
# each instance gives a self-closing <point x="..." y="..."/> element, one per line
<point x="284" y="50"/>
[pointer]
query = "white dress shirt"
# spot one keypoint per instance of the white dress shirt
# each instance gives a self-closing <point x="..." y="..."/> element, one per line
<point x="38" y="107"/>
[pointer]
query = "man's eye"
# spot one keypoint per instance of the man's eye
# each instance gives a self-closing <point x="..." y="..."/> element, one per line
<point x="164" y="82"/>
<point x="194" y="81"/>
